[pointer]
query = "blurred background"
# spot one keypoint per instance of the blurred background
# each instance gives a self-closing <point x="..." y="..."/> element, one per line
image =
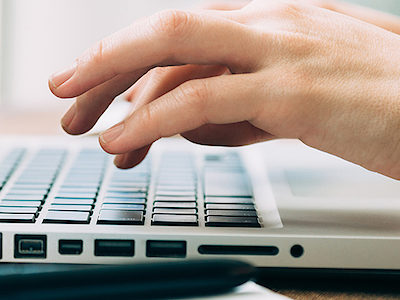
<point x="41" y="36"/>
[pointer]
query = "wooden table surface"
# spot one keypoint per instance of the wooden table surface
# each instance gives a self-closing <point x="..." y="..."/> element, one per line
<point x="47" y="123"/>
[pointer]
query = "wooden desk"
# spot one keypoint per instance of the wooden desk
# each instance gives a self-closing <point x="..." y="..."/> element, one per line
<point x="27" y="122"/>
<point x="47" y="123"/>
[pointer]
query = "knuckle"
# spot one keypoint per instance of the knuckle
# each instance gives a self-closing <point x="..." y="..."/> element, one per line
<point x="158" y="73"/>
<point x="195" y="91"/>
<point x="197" y="94"/>
<point x="171" y="23"/>
<point x="98" y="55"/>
<point x="97" y="52"/>
<point x="147" y="117"/>
<point x="290" y="9"/>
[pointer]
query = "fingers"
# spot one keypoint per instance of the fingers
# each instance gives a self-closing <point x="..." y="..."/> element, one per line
<point x="153" y="85"/>
<point x="88" y="107"/>
<point x="189" y="106"/>
<point x="236" y="134"/>
<point x="160" y="81"/>
<point x="131" y="159"/>
<point x="167" y="38"/>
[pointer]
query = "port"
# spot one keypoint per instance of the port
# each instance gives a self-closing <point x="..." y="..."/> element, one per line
<point x="114" y="247"/>
<point x="30" y="246"/>
<point x="238" y="250"/>
<point x="70" y="247"/>
<point x="166" y="249"/>
<point x="1" y="246"/>
<point x="297" y="251"/>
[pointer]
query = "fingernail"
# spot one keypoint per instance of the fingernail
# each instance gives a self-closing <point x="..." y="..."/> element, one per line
<point x="119" y="160"/>
<point x="112" y="133"/>
<point x="57" y="79"/>
<point x="69" y="116"/>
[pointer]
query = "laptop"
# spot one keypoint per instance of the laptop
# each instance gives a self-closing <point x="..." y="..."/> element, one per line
<point x="276" y="204"/>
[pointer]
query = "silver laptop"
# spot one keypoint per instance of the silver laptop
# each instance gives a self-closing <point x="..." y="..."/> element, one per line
<point x="277" y="204"/>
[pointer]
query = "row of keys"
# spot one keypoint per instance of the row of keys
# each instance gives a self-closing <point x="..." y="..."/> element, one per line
<point x="8" y="211"/>
<point x="228" y="196"/>
<point x="8" y="165"/>
<point x="125" y="197"/>
<point x="74" y="201"/>
<point x="175" y="201"/>
<point x="25" y="198"/>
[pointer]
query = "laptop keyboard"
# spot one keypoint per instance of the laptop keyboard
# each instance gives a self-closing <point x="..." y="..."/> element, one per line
<point x="91" y="190"/>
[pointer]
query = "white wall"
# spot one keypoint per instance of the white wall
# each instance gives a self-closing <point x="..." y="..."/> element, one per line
<point x="41" y="36"/>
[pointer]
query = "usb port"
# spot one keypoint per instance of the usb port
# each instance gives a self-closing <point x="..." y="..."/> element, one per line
<point x="166" y="249"/>
<point x="30" y="246"/>
<point x="71" y="247"/>
<point x="114" y="247"/>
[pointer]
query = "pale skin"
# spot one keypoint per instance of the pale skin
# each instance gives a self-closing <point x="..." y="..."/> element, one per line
<point x="323" y="72"/>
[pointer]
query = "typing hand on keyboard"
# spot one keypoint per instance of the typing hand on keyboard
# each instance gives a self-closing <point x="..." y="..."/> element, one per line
<point x="281" y="69"/>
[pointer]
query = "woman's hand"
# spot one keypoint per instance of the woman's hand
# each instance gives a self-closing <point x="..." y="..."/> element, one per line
<point x="270" y="69"/>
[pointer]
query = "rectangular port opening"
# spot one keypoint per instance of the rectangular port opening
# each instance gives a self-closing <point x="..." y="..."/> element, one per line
<point x="30" y="246"/>
<point x="166" y="249"/>
<point x="70" y="247"/>
<point x="114" y="247"/>
<point x="238" y="250"/>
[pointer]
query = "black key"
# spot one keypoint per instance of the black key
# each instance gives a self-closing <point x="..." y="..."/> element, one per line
<point x="125" y="200"/>
<point x="231" y="213"/>
<point x="17" y="218"/>
<point x="117" y="185"/>
<point x="33" y="181"/>
<point x="175" y="204"/>
<point x="79" y="185"/>
<point x="20" y="203"/>
<point x="31" y="186"/>
<point x="55" y="206"/>
<point x="175" y="193"/>
<point x="24" y="197"/>
<point x="231" y="206"/>
<point x="130" y="181"/>
<point x="174" y="199"/>
<point x="16" y="191"/>
<point x="126" y="195"/>
<point x="219" y="221"/>
<point x="74" y="201"/>
<point x="78" y="190"/>
<point x="77" y="195"/>
<point x="174" y="182"/>
<point x="126" y="190"/>
<point x="175" y="187"/>
<point x="175" y="211"/>
<point x="226" y="200"/>
<point x="68" y="182"/>
<point x="67" y="217"/>
<point x="121" y="217"/>
<point x="36" y="178"/>
<point x="174" y="220"/>
<point x="116" y="206"/>
<point x="18" y="209"/>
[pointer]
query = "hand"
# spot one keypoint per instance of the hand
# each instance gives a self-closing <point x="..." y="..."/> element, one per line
<point x="378" y="18"/>
<point x="276" y="69"/>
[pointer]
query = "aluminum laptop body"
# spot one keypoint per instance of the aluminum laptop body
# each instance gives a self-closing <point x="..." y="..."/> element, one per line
<point x="276" y="204"/>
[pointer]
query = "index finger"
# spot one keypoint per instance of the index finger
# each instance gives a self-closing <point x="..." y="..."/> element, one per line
<point x="166" y="38"/>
